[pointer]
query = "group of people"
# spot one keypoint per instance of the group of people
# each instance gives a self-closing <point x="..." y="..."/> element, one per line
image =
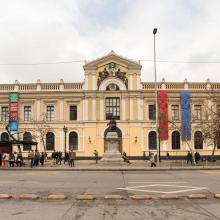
<point x="12" y="159"/>
<point x="189" y="157"/>
<point x="36" y="158"/>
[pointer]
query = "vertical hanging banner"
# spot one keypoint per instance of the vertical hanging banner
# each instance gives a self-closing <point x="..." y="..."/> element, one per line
<point x="13" y="112"/>
<point x="163" y="114"/>
<point x="185" y="116"/>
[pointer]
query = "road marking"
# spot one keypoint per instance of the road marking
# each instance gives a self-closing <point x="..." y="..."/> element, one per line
<point x="187" y="188"/>
<point x="159" y="182"/>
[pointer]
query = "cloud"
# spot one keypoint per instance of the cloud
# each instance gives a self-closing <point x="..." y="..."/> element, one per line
<point x="51" y="30"/>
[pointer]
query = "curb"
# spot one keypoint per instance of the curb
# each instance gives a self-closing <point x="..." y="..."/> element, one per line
<point x="169" y="197"/>
<point x="29" y="196"/>
<point x="197" y="196"/>
<point x="85" y="197"/>
<point x="56" y="197"/>
<point x="114" y="197"/>
<point x="5" y="196"/>
<point x="111" y="169"/>
<point x="140" y="197"/>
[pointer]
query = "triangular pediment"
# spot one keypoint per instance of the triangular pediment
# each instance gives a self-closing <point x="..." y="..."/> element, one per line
<point x="112" y="57"/>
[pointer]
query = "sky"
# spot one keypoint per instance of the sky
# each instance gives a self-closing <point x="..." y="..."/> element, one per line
<point x="55" y="31"/>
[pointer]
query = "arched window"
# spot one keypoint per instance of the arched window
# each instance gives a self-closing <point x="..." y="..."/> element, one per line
<point x="198" y="140"/>
<point x="175" y="140"/>
<point x="152" y="140"/>
<point x="73" y="141"/>
<point x="50" y="141"/>
<point x="4" y="136"/>
<point x="27" y="137"/>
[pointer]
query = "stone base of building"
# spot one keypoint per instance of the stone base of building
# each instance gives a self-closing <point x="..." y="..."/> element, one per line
<point x="111" y="158"/>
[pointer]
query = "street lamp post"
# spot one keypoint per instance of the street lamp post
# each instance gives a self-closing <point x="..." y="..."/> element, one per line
<point x="156" y="105"/>
<point x="65" y="131"/>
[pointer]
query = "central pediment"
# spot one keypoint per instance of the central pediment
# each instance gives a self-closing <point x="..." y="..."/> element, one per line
<point x="112" y="57"/>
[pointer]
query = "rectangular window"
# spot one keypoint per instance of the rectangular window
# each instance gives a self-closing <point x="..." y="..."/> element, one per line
<point x="73" y="112"/>
<point x="5" y="113"/>
<point x="197" y="112"/>
<point x="152" y="112"/>
<point x="112" y="108"/>
<point x="175" y="112"/>
<point x="27" y="113"/>
<point x="50" y="113"/>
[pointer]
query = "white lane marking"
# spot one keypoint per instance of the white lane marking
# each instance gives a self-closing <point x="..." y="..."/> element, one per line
<point x="187" y="188"/>
<point x="159" y="182"/>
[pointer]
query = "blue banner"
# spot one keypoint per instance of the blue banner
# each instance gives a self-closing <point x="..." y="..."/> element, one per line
<point x="13" y="126"/>
<point x="185" y="116"/>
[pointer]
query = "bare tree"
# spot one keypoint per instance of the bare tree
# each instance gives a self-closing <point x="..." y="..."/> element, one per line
<point x="210" y="123"/>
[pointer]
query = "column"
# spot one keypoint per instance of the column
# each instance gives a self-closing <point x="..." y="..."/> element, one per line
<point x="62" y="147"/>
<point x="86" y="82"/>
<point x="130" y="82"/>
<point x="61" y="109"/>
<point x="38" y="110"/>
<point x="140" y="108"/>
<point x="123" y="109"/>
<point x="94" y="108"/>
<point x="94" y="81"/>
<point x="85" y="108"/>
<point x="131" y="108"/>
<point x="101" y="108"/>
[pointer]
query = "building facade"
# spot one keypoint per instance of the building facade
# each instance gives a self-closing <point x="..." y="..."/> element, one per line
<point x="112" y="87"/>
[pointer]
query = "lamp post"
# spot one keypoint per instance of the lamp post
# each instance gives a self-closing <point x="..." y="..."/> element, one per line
<point x="156" y="105"/>
<point x="65" y="131"/>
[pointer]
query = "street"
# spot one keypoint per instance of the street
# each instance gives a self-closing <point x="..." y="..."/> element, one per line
<point x="101" y="183"/>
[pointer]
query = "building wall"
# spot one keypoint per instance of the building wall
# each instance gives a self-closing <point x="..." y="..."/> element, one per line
<point x="91" y="123"/>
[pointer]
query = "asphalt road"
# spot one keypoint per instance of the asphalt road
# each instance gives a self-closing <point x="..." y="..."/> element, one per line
<point x="101" y="183"/>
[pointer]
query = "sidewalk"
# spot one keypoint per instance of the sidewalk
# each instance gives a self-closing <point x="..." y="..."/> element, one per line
<point x="88" y="165"/>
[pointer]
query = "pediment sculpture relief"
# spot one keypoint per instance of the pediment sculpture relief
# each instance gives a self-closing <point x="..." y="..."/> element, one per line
<point x="112" y="70"/>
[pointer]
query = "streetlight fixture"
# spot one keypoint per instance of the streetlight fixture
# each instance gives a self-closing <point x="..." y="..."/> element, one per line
<point x="65" y="131"/>
<point x="156" y="104"/>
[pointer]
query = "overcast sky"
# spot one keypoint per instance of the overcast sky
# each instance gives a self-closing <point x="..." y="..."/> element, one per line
<point x="39" y="31"/>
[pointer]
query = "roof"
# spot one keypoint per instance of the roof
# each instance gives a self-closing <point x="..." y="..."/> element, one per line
<point x="132" y="64"/>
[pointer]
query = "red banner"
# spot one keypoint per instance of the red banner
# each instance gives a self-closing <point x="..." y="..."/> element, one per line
<point x="13" y="107"/>
<point x="162" y="101"/>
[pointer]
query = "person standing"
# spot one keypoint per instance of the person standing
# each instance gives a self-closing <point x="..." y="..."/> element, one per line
<point x="6" y="159"/>
<point x="31" y="156"/>
<point x="42" y="158"/>
<point x="72" y="157"/>
<point x="96" y="155"/>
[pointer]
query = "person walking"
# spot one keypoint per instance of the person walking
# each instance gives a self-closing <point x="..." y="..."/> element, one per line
<point x="189" y="157"/>
<point x="152" y="160"/>
<point x="125" y="158"/>
<point x="96" y="155"/>
<point x="6" y="159"/>
<point x="66" y="157"/>
<point x="72" y="157"/>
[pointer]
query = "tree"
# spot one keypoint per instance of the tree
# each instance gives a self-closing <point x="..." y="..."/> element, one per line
<point x="210" y="123"/>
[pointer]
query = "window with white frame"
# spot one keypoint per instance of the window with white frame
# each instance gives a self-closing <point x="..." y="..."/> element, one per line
<point x="4" y="113"/>
<point x="175" y="112"/>
<point x="73" y="112"/>
<point x="197" y="112"/>
<point x="152" y="112"/>
<point x="50" y="113"/>
<point x="27" y="113"/>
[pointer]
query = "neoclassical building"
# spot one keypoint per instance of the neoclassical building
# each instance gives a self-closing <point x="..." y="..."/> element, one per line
<point x="112" y="87"/>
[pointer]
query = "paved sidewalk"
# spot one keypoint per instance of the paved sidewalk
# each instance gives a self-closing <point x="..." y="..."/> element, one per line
<point x="88" y="165"/>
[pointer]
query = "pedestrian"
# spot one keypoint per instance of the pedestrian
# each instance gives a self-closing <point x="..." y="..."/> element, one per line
<point x="96" y="155"/>
<point x="6" y="159"/>
<point x="189" y="157"/>
<point x="167" y="156"/>
<point x="72" y="157"/>
<point x="42" y="158"/>
<point x="31" y="156"/>
<point x="144" y="155"/>
<point x="125" y="158"/>
<point x="197" y="157"/>
<point x="66" y="157"/>
<point x="152" y="160"/>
